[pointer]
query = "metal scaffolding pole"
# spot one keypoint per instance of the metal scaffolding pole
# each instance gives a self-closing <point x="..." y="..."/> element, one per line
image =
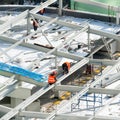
<point x="60" y="7"/>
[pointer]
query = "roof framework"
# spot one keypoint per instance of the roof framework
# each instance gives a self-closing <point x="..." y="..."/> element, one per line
<point x="13" y="81"/>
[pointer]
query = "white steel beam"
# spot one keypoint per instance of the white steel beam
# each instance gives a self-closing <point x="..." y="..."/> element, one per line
<point x="7" y="83"/>
<point x="8" y="89"/>
<point x="61" y="22"/>
<point x="3" y="52"/>
<point x="32" y="114"/>
<point x="73" y="117"/>
<point x="105" y="34"/>
<point x="4" y="109"/>
<point x="91" y="90"/>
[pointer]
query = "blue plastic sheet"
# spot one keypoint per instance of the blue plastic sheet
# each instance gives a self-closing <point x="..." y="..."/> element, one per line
<point x="22" y="72"/>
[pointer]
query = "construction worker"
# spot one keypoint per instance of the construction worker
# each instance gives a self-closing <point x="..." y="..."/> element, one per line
<point x="35" y="24"/>
<point x="88" y="69"/>
<point x="52" y="78"/>
<point x="41" y="12"/>
<point x="66" y="67"/>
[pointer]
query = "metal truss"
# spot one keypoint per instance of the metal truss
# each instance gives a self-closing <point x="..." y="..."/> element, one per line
<point x="83" y="61"/>
<point x="84" y="90"/>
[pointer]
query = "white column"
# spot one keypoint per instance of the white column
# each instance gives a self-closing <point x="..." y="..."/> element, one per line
<point x="28" y="23"/>
<point x="60" y="7"/>
<point x="89" y="48"/>
<point x="117" y="15"/>
<point x="14" y="103"/>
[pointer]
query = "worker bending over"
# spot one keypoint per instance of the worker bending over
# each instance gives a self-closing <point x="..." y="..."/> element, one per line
<point x="66" y="67"/>
<point x="52" y="78"/>
<point x="35" y="24"/>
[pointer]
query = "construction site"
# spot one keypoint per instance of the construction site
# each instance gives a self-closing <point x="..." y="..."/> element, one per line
<point x="89" y="41"/>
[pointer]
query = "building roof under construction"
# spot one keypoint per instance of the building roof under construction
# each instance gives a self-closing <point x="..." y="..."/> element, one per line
<point x="27" y="57"/>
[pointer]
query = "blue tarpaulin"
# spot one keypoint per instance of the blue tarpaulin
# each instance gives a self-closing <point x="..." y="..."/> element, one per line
<point x="22" y="72"/>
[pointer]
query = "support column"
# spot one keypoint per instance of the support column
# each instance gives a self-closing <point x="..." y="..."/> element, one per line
<point x="28" y="23"/>
<point x="89" y="39"/>
<point x="118" y="15"/>
<point x="60" y="7"/>
<point x="56" y="66"/>
<point x="14" y="103"/>
<point x="117" y="18"/>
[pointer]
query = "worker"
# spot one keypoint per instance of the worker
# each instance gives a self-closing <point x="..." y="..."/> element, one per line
<point x="42" y="11"/>
<point x="52" y="78"/>
<point x="88" y="69"/>
<point x="35" y="24"/>
<point x="66" y="67"/>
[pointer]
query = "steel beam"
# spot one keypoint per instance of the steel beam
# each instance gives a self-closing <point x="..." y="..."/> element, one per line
<point x="32" y="114"/>
<point x="73" y="117"/>
<point x="91" y="90"/>
<point x="8" y="89"/>
<point x="105" y="34"/>
<point x="60" y="22"/>
<point x="4" y="109"/>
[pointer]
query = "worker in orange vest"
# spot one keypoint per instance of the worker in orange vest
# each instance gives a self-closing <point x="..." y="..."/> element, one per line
<point x="52" y="78"/>
<point x="66" y="67"/>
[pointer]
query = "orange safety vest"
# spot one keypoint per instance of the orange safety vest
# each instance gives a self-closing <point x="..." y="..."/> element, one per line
<point x="68" y="65"/>
<point x="51" y="79"/>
